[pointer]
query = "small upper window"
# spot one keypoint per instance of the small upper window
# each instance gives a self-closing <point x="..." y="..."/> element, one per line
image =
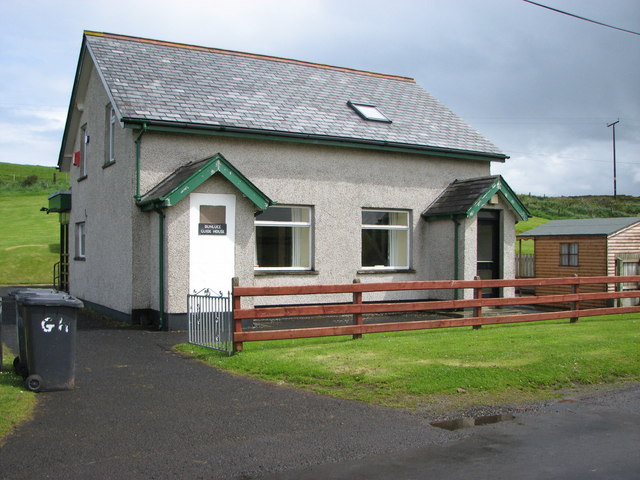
<point x="369" y="112"/>
<point x="110" y="134"/>
<point x="84" y="150"/>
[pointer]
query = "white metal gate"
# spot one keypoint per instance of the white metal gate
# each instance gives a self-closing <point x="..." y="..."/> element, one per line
<point x="211" y="320"/>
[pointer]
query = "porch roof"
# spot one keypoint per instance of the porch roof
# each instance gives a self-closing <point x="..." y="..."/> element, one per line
<point x="465" y="198"/>
<point x="188" y="177"/>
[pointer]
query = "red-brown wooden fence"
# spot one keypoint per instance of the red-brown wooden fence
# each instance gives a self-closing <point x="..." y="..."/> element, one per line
<point x="358" y="308"/>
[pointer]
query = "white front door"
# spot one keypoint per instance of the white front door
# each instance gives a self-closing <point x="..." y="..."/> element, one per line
<point x="212" y="225"/>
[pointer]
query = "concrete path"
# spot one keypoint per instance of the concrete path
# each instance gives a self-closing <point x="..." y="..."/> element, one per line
<point x="141" y="411"/>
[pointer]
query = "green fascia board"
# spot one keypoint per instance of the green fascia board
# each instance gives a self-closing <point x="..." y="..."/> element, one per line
<point x="445" y="216"/>
<point x="60" y="201"/>
<point x="499" y="185"/>
<point x="314" y="140"/>
<point x="217" y="164"/>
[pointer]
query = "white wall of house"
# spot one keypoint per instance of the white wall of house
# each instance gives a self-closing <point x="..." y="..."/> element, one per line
<point x="338" y="183"/>
<point x="103" y="201"/>
<point x="121" y="267"/>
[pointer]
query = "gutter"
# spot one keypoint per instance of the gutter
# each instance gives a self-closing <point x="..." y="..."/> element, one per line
<point x="181" y="127"/>
<point x="138" y="142"/>
<point x="158" y="209"/>
<point x="161" y="300"/>
<point x="456" y="259"/>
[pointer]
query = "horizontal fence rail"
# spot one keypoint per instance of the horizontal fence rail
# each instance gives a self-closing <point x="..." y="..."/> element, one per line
<point x="357" y="308"/>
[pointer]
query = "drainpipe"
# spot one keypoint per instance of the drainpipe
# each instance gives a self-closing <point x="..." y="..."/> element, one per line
<point x="160" y="266"/>
<point x="456" y="260"/>
<point x="138" y="141"/>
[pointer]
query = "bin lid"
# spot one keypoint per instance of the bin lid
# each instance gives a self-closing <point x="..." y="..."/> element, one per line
<point x="18" y="292"/>
<point x="51" y="300"/>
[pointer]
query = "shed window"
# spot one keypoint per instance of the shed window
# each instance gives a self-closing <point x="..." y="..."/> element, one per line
<point x="283" y="238"/>
<point x="569" y="254"/>
<point x="369" y="112"/>
<point x="385" y="239"/>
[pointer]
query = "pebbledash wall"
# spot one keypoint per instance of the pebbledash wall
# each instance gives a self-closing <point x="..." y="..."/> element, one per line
<point x="121" y="269"/>
<point x="103" y="199"/>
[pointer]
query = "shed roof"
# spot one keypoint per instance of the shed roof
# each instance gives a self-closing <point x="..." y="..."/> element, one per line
<point x="465" y="198"/>
<point x="583" y="226"/>
<point x="177" y="85"/>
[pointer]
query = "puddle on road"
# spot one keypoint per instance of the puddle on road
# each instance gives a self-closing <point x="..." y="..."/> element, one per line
<point x="468" y="422"/>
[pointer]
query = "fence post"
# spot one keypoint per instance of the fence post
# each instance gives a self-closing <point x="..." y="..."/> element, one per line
<point x="575" y="288"/>
<point x="477" y="295"/>
<point x="357" y="317"/>
<point x="237" y="323"/>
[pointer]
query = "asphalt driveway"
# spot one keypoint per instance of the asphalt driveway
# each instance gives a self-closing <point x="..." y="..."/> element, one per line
<point x="139" y="410"/>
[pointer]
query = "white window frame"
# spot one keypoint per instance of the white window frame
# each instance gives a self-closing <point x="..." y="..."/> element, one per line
<point x="297" y="248"/>
<point x="81" y="241"/>
<point x="369" y="112"/>
<point x="393" y="263"/>
<point x="110" y="135"/>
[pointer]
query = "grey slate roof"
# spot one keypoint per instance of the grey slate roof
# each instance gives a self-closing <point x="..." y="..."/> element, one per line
<point x="174" y="180"/>
<point x="585" y="226"/>
<point x="186" y="85"/>
<point x="459" y="197"/>
<point x="464" y="198"/>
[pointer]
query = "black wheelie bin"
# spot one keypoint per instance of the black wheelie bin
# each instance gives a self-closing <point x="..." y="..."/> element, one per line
<point x="15" y="297"/>
<point x="50" y="322"/>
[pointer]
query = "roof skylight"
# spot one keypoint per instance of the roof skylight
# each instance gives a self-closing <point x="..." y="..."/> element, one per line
<point x="369" y="112"/>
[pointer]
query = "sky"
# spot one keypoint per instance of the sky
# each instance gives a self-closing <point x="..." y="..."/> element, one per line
<point x="540" y="85"/>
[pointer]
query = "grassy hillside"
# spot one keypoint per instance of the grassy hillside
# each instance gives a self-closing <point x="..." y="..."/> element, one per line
<point x="29" y="244"/>
<point x="25" y="179"/>
<point x="591" y="206"/>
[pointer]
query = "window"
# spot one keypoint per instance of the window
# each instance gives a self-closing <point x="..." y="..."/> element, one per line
<point x="283" y="238"/>
<point x="109" y="138"/>
<point x="569" y="254"/>
<point x="80" y="241"/>
<point x="627" y="267"/>
<point x="369" y="112"/>
<point x="385" y="239"/>
<point x="84" y="150"/>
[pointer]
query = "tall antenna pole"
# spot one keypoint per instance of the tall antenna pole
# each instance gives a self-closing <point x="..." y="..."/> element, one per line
<point x="614" y="156"/>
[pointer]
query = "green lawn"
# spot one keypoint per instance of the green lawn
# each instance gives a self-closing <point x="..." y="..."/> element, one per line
<point x="30" y="243"/>
<point x="16" y="403"/>
<point x="454" y="367"/>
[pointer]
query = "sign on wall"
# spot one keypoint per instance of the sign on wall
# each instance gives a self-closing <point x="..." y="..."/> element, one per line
<point x="212" y="229"/>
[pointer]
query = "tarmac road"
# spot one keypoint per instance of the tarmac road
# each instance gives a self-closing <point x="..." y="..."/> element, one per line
<point x="141" y="411"/>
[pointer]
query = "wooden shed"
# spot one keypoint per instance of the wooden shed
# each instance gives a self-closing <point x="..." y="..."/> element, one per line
<point x="586" y="247"/>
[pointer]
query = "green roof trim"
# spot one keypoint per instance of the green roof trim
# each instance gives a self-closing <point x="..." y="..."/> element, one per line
<point x="465" y="198"/>
<point x="187" y="178"/>
<point x="499" y="185"/>
<point x="324" y="140"/>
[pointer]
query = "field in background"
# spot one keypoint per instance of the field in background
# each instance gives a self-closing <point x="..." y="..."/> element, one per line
<point x="30" y="243"/>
